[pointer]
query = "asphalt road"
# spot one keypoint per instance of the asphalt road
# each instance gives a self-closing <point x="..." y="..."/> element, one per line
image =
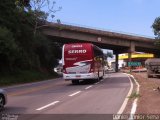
<point x="64" y="100"/>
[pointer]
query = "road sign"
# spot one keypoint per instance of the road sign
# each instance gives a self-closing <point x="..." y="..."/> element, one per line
<point x="134" y="64"/>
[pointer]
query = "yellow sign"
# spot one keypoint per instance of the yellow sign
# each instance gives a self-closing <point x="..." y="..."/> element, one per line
<point x="144" y="55"/>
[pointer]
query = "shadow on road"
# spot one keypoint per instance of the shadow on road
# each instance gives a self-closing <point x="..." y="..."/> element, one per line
<point x="84" y="82"/>
<point x="13" y="110"/>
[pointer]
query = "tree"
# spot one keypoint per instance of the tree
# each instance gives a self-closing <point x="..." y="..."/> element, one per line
<point x="23" y="3"/>
<point x="8" y="49"/>
<point x="20" y="48"/>
<point x="41" y="16"/>
<point x="106" y="56"/>
<point x="36" y="9"/>
<point x="156" y="29"/>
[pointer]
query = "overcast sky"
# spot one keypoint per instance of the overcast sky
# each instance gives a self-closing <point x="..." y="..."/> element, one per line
<point x="126" y="16"/>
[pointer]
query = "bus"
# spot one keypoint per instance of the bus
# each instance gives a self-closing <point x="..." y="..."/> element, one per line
<point x="82" y="61"/>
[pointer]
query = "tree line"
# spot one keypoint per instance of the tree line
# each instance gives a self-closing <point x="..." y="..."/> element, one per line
<point x="22" y="45"/>
<point x="156" y="30"/>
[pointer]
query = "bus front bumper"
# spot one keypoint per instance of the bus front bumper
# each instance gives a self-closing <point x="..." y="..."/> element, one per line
<point x="80" y="76"/>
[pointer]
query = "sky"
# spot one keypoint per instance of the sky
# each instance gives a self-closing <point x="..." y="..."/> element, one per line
<point x="125" y="16"/>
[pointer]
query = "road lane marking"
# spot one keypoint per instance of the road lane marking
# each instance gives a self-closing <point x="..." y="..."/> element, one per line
<point x="88" y="87"/>
<point x="74" y="93"/>
<point x="134" y="105"/>
<point x="126" y="99"/>
<point x="53" y="103"/>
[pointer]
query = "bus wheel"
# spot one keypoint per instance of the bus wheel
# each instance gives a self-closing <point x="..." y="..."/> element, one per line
<point x="150" y="76"/>
<point x="75" y="82"/>
<point x="98" y="79"/>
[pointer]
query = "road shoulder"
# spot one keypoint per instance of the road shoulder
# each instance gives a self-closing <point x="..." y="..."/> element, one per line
<point x="132" y="98"/>
<point x="150" y="96"/>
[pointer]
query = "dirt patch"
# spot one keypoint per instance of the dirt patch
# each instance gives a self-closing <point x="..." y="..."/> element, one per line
<point x="149" y="101"/>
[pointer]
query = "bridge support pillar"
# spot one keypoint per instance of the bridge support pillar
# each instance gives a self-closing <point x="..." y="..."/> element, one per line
<point x="131" y="50"/>
<point x="116" y="62"/>
<point x="130" y="60"/>
<point x="156" y="55"/>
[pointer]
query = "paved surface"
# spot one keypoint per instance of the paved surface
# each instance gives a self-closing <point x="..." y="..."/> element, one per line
<point x="60" y="97"/>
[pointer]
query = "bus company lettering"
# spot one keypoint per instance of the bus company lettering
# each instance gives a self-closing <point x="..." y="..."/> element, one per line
<point x="73" y="46"/>
<point x="76" y="51"/>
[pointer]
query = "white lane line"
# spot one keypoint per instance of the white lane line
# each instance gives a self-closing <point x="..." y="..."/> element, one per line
<point x="126" y="99"/>
<point x="53" y="103"/>
<point x="74" y="93"/>
<point x="88" y="87"/>
<point x="134" y="105"/>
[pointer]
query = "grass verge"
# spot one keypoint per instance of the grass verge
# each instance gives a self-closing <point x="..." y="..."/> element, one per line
<point x="134" y="95"/>
<point x="25" y="77"/>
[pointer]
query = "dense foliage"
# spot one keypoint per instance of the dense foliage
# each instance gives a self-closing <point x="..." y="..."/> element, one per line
<point x="156" y="29"/>
<point x="20" y="47"/>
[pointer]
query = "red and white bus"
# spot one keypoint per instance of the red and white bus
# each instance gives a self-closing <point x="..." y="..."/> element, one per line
<point x="82" y="61"/>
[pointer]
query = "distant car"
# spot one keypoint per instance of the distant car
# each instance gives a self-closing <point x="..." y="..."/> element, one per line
<point x="3" y="98"/>
<point x="58" y="70"/>
<point x="109" y="70"/>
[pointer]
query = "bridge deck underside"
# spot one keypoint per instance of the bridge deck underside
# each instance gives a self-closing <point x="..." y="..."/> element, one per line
<point x="115" y="48"/>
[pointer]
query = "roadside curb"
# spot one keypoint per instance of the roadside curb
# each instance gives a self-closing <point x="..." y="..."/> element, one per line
<point x="134" y="104"/>
<point x="129" y="106"/>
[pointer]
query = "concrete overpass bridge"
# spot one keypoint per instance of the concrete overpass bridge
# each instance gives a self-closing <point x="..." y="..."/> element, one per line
<point x="119" y="43"/>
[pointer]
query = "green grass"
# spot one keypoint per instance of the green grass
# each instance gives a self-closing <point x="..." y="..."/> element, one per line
<point x="134" y="95"/>
<point x="24" y="77"/>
